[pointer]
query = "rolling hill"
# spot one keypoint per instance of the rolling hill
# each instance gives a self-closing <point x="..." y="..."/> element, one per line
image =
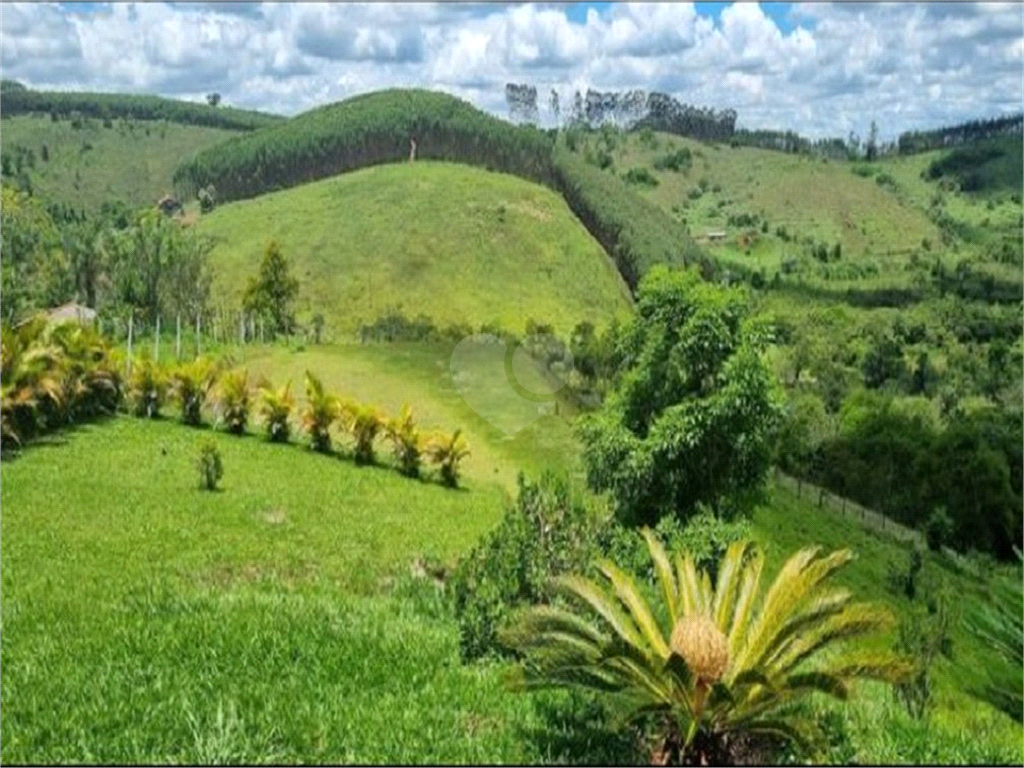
<point x="82" y="167"/>
<point x="456" y="243"/>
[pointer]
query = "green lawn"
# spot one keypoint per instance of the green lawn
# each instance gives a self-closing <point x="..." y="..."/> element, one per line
<point x="131" y="161"/>
<point x="456" y="243"/>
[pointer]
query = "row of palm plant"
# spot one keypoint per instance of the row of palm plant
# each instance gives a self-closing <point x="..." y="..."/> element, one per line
<point x="52" y="375"/>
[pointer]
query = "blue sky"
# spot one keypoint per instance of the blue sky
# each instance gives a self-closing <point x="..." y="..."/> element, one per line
<point x="823" y="69"/>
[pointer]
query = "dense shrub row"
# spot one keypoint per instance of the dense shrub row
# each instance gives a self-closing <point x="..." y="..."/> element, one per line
<point x="106" y="106"/>
<point x="190" y="385"/>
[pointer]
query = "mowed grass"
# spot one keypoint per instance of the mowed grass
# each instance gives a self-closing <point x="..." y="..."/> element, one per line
<point x="132" y="161"/>
<point x="389" y="376"/>
<point x="455" y="243"/>
<point x="147" y="621"/>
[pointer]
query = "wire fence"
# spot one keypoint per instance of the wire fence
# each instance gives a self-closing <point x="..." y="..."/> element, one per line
<point x="870" y="519"/>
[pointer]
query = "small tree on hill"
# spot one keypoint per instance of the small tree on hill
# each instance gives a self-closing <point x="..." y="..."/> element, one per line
<point x="213" y="99"/>
<point x="271" y="293"/>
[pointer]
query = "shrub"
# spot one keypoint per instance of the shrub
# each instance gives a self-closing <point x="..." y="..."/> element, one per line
<point x="406" y="442"/>
<point x="680" y="160"/>
<point x="275" y="408"/>
<point x="190" y="385"/>
<point x="447" y="453"/>
<point x="321" y="411"/>
<point x="363" y="422"/>
<point x="717" y="663"/>
<point x="545" y="533"/>
<point x="147" y="388"/>
<point x="641" y="176"/>
<point x="211" y="467"/>
<point x="939" y="529"/>
<point x="233" y="401"/>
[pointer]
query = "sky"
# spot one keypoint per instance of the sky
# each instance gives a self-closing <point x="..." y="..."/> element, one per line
<point x="822" y="69"/>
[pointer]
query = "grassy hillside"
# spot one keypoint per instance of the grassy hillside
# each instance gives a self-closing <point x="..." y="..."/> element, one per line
<point x="132" y="160"/>
<point x="147" y="621"/>
<point x="455" y="243"/>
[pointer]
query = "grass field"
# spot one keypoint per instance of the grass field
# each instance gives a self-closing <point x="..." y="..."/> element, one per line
<point x="453" y="242"/>
<point x="132" y="161"/>
<point x="274" y="621"/>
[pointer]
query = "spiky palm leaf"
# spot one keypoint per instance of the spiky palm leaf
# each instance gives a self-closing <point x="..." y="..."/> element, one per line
<point x="275" y="408"/>
<point x="363" y="422"/>
<point x="322" y="409"/>
<point x="1000" y="625"/>
<point x="232" y="398"/>
<point x="447" y="452"/>
<point x="406" y="442"/>
<point x="31" y="376"/>
<point x="147" y="388"/>
<point x="191" y="383"/>
<point x="717" y="659"/>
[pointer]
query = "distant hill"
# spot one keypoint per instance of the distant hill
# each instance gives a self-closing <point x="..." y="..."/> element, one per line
<point x="456" y="243"/>
<point x="992" y="165"/>
<point x="15" y="100"/>
<point x="82" y="167"/>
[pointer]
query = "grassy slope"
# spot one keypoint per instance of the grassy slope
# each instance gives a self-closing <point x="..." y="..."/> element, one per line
<point x="145" y="620"/>
<point x="123" y="164"/>
<point x="450" y="241"/>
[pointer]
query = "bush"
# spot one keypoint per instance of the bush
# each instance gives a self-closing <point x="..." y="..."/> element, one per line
<point x="233" y="401"/>
<point x="147" y="388"/>
<point x="680" y="160"/>
<point x="546" y="533"/>
<point x="211" y="467"/>
<point x="321" y="410"/>
<point x="938" y="529"/>
<point x="406" y="442"/>
<point x="190" y="385"/>
<point x="275" y="408"/>
<point x="363" y="422"/>
<point x="641" y="176"/>
<point x="447" y="452"/>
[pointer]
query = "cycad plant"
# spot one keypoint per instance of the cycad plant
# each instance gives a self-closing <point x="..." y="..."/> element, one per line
<point x="716" y="663"/>
<point x="275" y="408"/>
<point x="406" y="442"/>
<point x="91" y="382"/>
<point x="190" y="385"/>
<point x="147" y="388"/>
<point x="363" y="422"/>
<point x="999" y="623"/>
<point x="322" y="408"/>
<point x="447" y="452"/>
<point x="233" y="400"/>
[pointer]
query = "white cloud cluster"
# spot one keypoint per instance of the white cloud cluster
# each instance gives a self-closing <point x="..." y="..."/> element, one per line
<point x="835" y="68"/>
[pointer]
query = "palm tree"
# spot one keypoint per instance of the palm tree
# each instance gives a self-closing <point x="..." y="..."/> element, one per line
<point x="147" y="388"/>
<point x="406" y="442"/>
<point x="714" y="663"/>
<point x="321" y="410"/>
<point x="31" y="380"/>
<point x="233" y="400"/>
<point x="275" y="408"/>
<point x="363" y="422"/>
<point x="448" y="452"/>
<point x="190" y="385"/>
<point x="91" y="381"/>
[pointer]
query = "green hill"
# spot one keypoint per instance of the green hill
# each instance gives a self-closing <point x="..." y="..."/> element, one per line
<point x="455" y="243"/>
<point x="82" y="167"/>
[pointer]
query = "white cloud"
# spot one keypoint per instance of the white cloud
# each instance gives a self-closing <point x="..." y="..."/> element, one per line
<point x="905" y="65"/>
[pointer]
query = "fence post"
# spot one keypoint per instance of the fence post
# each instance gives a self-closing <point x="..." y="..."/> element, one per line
<point x="261" y="330"/>
<point x="156" y="341"/>
<point x="241" y="329"/>
<point x="177" y="340"/>
<point x="128" y="359"/>
<point x="199" y="340"/>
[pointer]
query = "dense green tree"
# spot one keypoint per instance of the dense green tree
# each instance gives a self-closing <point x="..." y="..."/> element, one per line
<point x="272" y="293"/>
<point x="34" y="270"/>
<point x="693" y="413"/>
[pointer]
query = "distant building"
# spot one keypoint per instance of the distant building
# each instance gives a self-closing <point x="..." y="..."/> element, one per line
<point x="168" y="205"/>
<point x="71" y="312"/>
